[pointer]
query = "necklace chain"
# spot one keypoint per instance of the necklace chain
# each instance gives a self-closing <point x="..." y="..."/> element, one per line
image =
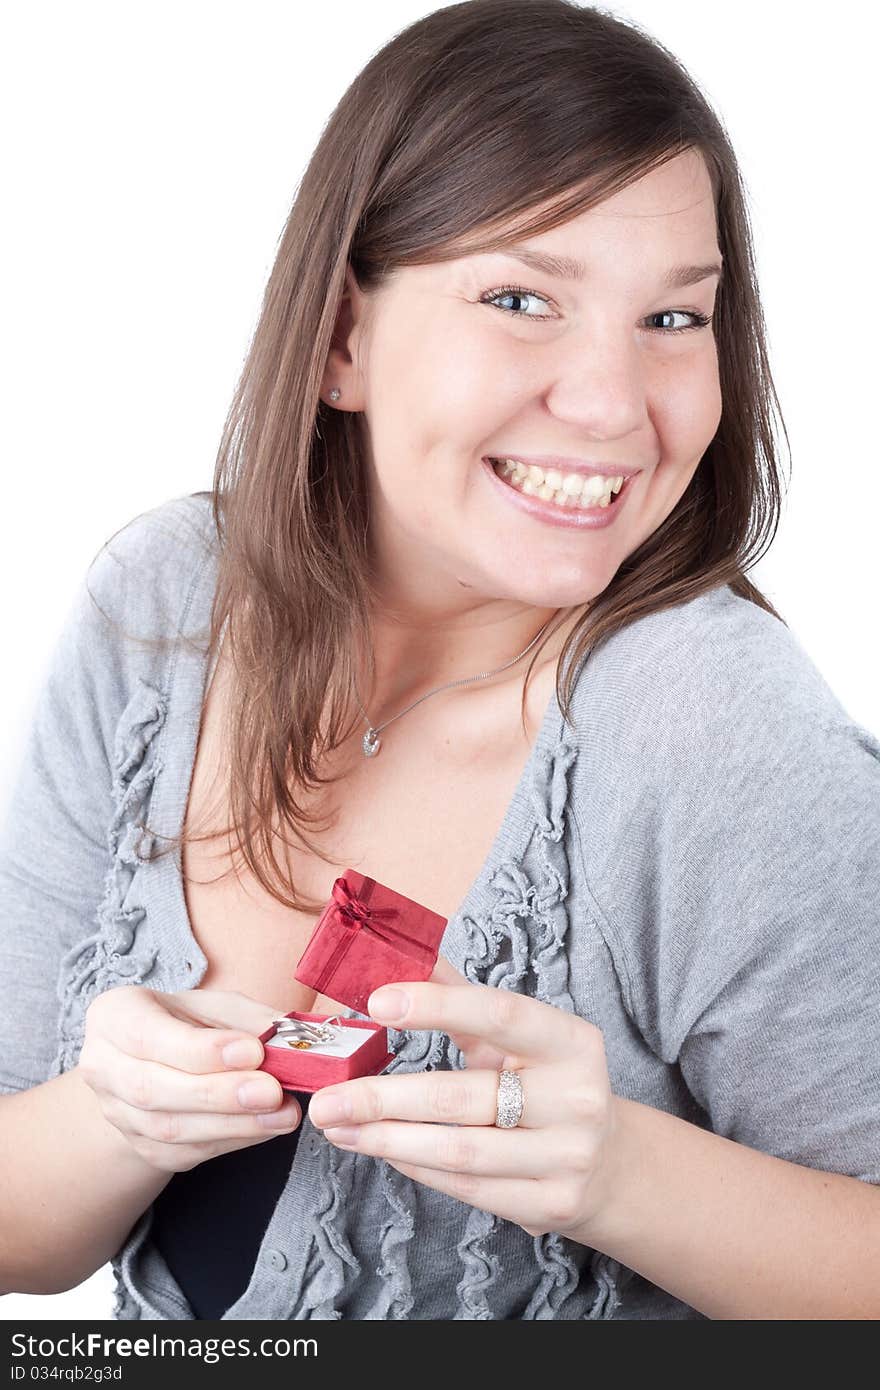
<point x="372" y="742"/>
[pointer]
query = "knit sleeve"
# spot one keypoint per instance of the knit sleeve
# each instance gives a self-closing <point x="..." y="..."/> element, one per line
<point x="740" y="880"/>
<point x="53" y="848"/>
<point x="68" y="843"/>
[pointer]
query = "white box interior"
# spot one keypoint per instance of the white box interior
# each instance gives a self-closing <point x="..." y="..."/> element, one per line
<point x="346" y="1042"/>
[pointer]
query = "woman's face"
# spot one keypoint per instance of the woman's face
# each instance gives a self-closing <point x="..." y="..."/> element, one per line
<point x="582" y="369"/>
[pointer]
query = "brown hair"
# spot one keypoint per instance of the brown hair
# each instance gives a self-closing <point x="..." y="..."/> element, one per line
<point x="451" y="136"/>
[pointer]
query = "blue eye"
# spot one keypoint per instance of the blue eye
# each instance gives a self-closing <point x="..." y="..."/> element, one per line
<point x="514" y="292"/>
<point x="518" y="292"/>
<point x="697" y="320"/>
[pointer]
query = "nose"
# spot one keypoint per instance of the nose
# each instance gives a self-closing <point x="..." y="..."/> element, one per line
<point x="599" y="387"/>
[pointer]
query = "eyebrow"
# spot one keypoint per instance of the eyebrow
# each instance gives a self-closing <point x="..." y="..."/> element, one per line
<point x="567" y="268"/>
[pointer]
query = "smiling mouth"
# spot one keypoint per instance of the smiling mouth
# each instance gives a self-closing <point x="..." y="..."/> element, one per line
<point x="568" y="491"/>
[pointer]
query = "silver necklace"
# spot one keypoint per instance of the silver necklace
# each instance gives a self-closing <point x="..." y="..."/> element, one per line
<point x="372" y="742"/>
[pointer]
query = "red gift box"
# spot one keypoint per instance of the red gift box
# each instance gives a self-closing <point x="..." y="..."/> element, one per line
<point x="368" y="935"/>
<point x="310" y="1069"/>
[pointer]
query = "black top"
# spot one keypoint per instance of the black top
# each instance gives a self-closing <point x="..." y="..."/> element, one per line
<point x="209" y="1222"/>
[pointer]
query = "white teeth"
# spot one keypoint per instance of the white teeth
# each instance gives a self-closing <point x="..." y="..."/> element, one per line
<point x="566" y="489"/>
<point x="596" y="487"/>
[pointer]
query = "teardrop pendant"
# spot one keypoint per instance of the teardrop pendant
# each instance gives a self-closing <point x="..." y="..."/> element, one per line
<point x="372" y="743"/>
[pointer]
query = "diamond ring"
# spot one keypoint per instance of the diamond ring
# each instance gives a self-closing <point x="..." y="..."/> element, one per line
<point x="509" y="1103"/>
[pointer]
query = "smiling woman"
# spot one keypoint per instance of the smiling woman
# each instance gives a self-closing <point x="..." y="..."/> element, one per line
<point x="508" y="397"/>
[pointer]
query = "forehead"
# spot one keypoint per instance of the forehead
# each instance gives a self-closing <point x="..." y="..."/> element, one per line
<point x="678" y="188"/>
<point x="667" y="214"/>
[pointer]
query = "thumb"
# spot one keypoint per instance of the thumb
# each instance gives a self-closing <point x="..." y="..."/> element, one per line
<point x="222" y="1008"/>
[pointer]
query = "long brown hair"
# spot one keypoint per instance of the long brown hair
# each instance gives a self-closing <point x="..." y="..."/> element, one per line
<point x="454" y="133"/>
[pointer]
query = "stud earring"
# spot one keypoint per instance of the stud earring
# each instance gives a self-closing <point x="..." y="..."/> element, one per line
<point x="335" y="393"/>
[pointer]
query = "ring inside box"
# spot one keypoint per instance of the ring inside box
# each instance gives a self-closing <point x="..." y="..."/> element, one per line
<point x="346" y="1042"/>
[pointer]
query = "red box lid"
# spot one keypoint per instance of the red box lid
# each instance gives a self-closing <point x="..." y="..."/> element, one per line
<point x="369" y="935"/>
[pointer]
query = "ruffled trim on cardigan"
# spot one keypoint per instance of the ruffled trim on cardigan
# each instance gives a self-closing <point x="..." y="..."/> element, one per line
<point x="112" y="955"/>
<point x="332" y="1257"/>
<point x="481" y="1269"/>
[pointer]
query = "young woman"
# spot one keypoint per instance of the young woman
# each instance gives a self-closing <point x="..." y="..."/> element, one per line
<point x="467" y="610"/>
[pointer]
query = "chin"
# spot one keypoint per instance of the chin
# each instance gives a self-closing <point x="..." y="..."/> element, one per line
<point x="544" y="595"/>
<point x="575" y="586"/>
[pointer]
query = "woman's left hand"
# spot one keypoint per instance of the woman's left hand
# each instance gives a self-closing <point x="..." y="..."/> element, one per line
<point x="553" y="1171"/>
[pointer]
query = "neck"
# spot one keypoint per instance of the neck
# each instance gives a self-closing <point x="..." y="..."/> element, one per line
<point x="412" y="659"/>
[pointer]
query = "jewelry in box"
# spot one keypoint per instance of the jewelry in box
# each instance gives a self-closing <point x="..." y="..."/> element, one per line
<point x="307" y="1051"/>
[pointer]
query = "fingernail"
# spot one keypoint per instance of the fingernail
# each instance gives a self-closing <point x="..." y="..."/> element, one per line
<point x="329" y="1110"/>
<point x="344" y="1134"/>
<point x="242" y="1053"/>
<point x="257" y="1095"/>
<point x="288" y="1118"/>
<point x="388" y="1005"/>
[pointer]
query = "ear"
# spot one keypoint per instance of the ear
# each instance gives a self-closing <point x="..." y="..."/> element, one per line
<point x="342" y="366"/>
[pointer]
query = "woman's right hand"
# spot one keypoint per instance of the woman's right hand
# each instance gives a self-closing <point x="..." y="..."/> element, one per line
<point x="155" y="1062"/>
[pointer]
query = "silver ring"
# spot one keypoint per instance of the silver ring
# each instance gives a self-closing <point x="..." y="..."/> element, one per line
<point x="299" y="1030"/>
<point x="509" y="1103"/>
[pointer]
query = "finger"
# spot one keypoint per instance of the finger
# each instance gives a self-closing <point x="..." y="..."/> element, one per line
<point x="447" y="1097"/>
<point x="177" y="1127"/>
<point x="478" y="1052"/>
<point x="444" y="973"/>
<point x="521" y="1200"/>
<point x="516" y="1024"/>
<point x="147" y="1029"/>
<point x="151" y="1085"/>
<point x="479" y="1149"/>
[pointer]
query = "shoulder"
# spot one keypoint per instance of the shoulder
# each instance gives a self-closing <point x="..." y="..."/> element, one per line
<point x="144" y="601"/>
<point x="711" y="708"/>
<point x="715" y="682"/>
<point x="694" y="665"/>
<point x="144" y="574"/>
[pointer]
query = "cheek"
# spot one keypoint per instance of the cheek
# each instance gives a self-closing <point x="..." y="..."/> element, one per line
<point x="430" y="394"/>
<point x="688" y="410"/>
<point x="430" y="362"/>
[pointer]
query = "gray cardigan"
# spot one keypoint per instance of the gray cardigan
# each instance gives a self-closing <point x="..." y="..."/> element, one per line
<point x="693" y="865"/>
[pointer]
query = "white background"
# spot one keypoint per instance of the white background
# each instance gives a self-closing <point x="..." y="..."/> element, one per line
<point x="151" y="154"/>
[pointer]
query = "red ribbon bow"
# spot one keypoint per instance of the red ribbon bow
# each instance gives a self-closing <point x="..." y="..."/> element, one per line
<point x="357" y="914"/>
<point x="356" y="911"/>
